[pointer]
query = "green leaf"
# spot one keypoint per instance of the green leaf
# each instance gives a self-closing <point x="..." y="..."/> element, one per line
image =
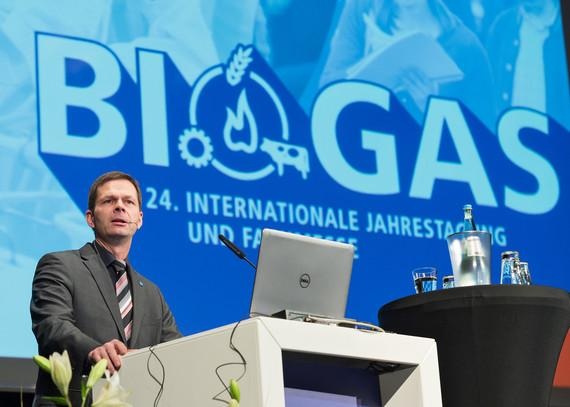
<point x="43" y="363"/>
<point x="59" y="400"/>
<point x="234" y="390"/>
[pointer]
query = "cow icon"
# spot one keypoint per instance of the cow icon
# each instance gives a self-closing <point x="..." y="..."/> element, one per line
<point x="287" y="154"/>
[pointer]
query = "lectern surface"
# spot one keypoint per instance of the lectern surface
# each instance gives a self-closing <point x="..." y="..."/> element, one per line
<point x="267" y="344"/>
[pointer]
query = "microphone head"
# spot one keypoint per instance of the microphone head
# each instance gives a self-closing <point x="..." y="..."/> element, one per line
<point x="236" y="250"/>
<point x="230" y="245"/>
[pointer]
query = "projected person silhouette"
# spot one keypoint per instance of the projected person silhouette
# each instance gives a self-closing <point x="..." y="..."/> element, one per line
<point x="526" y="45"/>
<point x="368" y="27"/>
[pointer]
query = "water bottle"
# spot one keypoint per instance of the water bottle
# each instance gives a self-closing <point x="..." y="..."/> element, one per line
<point x="473" y="268"/>
<point x="470" y="252"/>
<point x="509" y="271"/>
<point x="468" y="221"/>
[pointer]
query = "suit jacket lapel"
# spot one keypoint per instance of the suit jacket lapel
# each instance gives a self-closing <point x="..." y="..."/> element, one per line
<point x="101" y="276"/>
<point x="137" y="291"/>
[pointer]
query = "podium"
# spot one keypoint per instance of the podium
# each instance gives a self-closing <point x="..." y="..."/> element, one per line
<point x="284" y="358"/>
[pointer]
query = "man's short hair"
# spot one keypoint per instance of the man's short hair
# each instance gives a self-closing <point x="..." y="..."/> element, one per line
<point x="111" y="176"/>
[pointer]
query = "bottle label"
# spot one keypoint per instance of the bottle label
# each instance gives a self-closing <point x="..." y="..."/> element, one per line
<point x="473" y="247"/>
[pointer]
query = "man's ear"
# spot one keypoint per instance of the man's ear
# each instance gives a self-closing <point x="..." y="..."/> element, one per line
<point x="140" y="222"/>
<point x="90" y="218"/>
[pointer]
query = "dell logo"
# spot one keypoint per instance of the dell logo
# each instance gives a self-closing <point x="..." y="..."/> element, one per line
<point x="304" y="280"/>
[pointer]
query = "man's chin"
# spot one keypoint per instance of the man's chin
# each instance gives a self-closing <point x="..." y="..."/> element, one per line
<point x="118" y="237"/>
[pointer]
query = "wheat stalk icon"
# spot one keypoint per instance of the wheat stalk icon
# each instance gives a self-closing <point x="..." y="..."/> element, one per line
<point x="240" y="60"/>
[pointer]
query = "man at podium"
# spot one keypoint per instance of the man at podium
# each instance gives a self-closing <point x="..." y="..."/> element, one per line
<point x="91" y="301"/>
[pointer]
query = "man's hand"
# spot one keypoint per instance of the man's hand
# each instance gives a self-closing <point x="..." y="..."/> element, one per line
<point x="112" y="351"/>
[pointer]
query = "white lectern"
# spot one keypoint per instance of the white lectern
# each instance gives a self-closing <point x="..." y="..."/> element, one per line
<point x="405" y="368"/>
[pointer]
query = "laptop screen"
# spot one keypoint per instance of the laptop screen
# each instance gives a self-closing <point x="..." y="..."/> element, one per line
<point x="302" y="274"/>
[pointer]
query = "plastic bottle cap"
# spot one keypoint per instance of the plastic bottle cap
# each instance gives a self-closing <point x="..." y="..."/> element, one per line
<point x="509" y="254"/>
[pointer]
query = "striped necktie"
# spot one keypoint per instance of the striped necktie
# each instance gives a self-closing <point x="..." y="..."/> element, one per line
<point x="124" y="297"/>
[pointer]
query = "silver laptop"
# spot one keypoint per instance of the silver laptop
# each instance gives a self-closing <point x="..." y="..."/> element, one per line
<point x="301" y="274"/>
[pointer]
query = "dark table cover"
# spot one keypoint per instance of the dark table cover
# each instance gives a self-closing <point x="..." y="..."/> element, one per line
<point x="498" y="346"/>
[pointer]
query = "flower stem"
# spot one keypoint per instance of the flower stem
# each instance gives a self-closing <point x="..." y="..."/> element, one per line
<point x="84" y="398"/>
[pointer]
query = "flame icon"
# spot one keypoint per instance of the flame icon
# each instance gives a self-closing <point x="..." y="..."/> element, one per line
<point x="235" y="122"/>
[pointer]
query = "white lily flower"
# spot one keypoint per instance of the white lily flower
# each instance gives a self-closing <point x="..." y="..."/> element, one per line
<point x="96" y="372"/>
<point x="61" y="371"/>
<point x="112" y="394"/>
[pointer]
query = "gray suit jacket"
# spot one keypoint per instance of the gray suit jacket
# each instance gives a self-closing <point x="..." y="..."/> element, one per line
<point x="74" y="308"/>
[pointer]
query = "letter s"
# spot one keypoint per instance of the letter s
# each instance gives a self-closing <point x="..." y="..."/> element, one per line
<point x="548" y="191"/>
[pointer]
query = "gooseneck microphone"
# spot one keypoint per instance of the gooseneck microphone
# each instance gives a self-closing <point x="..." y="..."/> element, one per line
<point x="236" y="250"/>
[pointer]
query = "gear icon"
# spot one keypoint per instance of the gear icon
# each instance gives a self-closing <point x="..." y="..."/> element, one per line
<point x="191" y="158"/>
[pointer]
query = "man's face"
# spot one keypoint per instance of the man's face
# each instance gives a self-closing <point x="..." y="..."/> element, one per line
<point x="116" y="215"/>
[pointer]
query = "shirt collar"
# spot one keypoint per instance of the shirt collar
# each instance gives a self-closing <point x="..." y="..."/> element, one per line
<point x="105" y="254"/>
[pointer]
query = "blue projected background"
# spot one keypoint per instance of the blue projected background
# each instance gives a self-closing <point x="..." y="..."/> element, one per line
<point x="359" y="121"/>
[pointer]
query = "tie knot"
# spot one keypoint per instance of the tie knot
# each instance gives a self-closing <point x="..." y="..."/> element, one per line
<point x="119" y="267"/>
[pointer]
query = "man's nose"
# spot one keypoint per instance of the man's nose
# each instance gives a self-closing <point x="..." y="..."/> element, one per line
<point x="119" y="205"/>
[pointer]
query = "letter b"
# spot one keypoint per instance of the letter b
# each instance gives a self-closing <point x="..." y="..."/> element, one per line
<point x="55" y="95"/>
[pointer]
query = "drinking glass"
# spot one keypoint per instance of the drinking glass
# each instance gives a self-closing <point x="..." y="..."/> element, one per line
<point x="525" y="272"/>
<point x="448" y="282"/>
<point x="425" y="279"/>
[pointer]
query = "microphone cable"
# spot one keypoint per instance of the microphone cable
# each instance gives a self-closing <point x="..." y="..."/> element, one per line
<point x="243" y="363"/>
<point x="160" y="381"/>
